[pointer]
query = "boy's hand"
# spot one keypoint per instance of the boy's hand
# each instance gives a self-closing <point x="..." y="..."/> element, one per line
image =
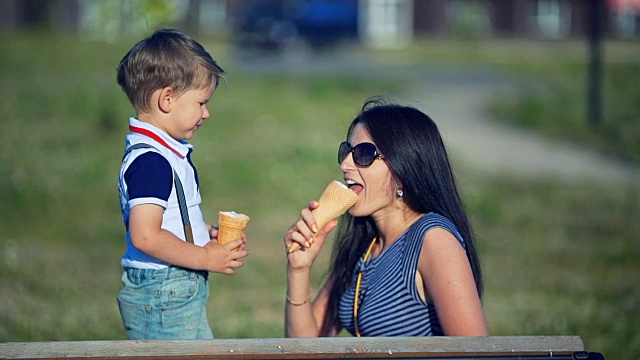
<point x="213" y="235"/>
<point x="213" y="232"/>
<point x="225" y="259"/>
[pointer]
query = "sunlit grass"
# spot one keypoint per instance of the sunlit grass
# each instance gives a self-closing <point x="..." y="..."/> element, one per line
<point x="553" y="96"/>
<point x="559" y="258"/>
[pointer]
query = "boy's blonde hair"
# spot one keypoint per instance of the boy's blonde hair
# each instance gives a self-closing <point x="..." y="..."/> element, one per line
<point x="166" y="58"/>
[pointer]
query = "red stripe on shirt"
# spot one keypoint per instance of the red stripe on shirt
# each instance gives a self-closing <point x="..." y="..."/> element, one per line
<point x="154" y="137"/>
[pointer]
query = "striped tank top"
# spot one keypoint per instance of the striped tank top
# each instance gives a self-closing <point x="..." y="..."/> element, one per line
<point x="390" y="304"/>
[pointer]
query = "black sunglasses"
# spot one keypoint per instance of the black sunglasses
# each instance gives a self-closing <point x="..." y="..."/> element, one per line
<point x="364" y="154"/>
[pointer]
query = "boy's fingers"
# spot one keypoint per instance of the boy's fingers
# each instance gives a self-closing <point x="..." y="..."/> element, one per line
<point x="239" y="254"/>
<point x="232" y="245"/>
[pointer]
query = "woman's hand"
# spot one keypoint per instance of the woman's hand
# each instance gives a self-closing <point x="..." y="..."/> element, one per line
<point x="305" y="232"/>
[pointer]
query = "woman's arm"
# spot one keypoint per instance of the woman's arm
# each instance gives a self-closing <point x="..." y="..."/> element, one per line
<point x="304" y="318"/>
<point x="449" y="284"/>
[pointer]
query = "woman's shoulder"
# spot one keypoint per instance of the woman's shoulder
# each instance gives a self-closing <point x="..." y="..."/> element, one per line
<point x="433" y="220"/>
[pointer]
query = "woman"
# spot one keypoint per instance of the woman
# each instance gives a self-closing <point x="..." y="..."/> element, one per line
<point x="404" y="262"/>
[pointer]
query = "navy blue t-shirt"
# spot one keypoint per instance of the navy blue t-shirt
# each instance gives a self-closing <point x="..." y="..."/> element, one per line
<point x="149" y="176"/>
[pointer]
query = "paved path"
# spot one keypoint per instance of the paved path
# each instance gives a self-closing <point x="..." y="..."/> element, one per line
<point x="499" y="148"/>
<point x="456" y="99"/>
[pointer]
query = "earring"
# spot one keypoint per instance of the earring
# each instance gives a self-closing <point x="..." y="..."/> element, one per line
<point x="400" y="193"/>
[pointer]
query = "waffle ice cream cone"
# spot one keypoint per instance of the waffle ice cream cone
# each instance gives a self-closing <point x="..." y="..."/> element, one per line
<point x="334" y="201"/>
<point x="231" y="225"/>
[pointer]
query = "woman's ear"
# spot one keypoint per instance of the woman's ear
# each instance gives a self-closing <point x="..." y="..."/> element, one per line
<point x="166" y="99"/>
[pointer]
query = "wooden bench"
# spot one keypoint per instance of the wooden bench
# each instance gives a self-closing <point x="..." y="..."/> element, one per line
<point x="502" y="347"/>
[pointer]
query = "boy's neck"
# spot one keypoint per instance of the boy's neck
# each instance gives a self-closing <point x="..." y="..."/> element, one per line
<point x="150" y="119"/>
<point x="161" y="137"/>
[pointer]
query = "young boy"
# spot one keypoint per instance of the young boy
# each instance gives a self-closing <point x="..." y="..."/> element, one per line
<point x="169" y="79"/>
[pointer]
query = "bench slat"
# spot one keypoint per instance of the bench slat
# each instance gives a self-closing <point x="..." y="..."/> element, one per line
<point x="286" y="348"/>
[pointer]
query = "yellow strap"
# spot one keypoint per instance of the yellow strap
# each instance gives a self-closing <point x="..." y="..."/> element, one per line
<point x="357" y="294"/>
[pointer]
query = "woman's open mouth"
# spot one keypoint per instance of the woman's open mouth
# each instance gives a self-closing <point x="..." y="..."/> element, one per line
<point x="354" y="186"/>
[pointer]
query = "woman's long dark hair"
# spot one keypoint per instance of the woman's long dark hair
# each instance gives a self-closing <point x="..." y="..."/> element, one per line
<point x="415" y="153"/>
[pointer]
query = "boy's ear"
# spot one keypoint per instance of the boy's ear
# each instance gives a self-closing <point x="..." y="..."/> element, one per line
<point x="165" y="100"/>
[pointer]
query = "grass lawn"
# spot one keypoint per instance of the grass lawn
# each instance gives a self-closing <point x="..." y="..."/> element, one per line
<point x="559" y="258"/>
<point x="554" y="96"/>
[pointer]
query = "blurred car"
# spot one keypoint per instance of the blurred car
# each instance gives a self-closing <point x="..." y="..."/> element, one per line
<point x="275" y="25"/>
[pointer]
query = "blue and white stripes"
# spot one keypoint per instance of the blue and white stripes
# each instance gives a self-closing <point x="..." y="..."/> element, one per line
<point x="390" y="304"/>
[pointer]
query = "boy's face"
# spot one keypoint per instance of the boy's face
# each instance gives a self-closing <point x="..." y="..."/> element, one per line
<point x="188" y="112"/>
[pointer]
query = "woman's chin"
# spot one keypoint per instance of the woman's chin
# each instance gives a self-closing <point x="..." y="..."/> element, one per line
<point x="353" y="211"/>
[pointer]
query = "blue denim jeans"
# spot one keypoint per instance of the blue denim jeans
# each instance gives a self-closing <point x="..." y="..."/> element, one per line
<point x="166" y="304"/>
